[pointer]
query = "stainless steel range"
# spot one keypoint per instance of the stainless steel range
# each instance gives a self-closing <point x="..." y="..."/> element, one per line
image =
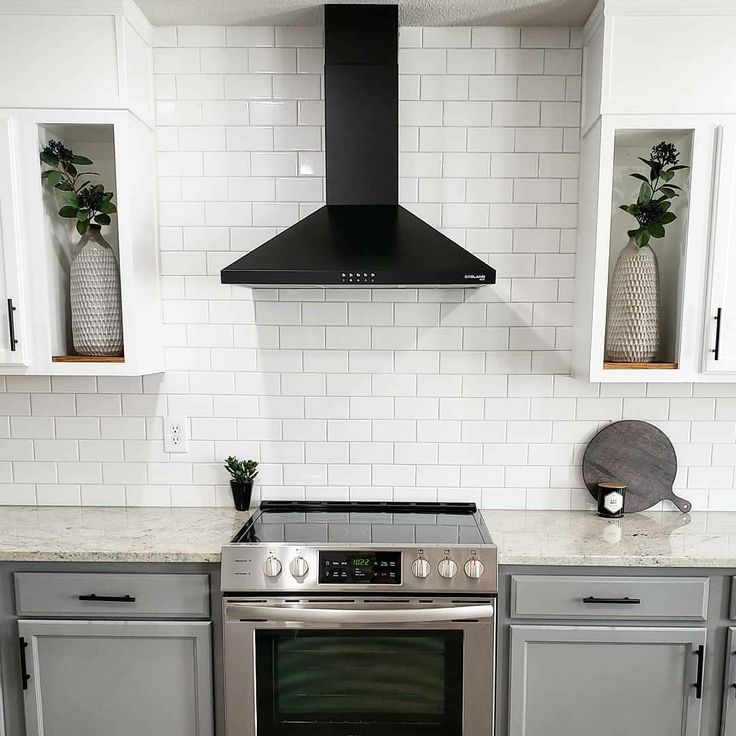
<point x="358" y="619"/>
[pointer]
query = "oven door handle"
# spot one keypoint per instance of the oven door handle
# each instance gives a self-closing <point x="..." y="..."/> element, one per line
<point x="245" y="612"/>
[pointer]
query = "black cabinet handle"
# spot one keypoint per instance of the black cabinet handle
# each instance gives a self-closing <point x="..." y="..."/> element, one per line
<point x="624" y="600"/>
<point x="717" y="349"/>
<point x="698" y="684"/>
<point x="108" y="598"/>
<point x="11" y="324"/>
<point x="24" y="676"/>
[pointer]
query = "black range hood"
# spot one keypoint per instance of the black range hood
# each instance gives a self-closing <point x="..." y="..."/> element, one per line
<point x="362" y="237"/>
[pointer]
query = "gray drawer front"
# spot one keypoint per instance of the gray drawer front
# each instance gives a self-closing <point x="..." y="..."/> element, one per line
<point x="732" y="608"/>
<point x="552" y="596"/>
<point x="156" y="596"/>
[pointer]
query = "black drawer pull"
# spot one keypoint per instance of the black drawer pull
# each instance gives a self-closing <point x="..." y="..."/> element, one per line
<point x="624" y="600"/>
<point x="108" y="598"/>
<point x="24" y="676"/>
<point x="11" y="325"/>
<point x="698" y="684"/>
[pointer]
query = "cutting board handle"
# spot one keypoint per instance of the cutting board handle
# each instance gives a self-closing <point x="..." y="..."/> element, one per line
<point x="684" y="506"/>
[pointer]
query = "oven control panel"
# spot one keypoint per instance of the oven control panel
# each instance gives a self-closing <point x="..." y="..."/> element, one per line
<point x="346" y="568"/>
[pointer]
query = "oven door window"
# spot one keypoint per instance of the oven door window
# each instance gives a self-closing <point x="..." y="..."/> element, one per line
<point x="359" y="683"/>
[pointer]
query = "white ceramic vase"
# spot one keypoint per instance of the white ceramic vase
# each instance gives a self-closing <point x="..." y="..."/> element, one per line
<point x="632" y="328"/>
<point x="94" y="284"/>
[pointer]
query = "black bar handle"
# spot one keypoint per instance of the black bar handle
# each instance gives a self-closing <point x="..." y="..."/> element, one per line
<point x="698" y="684"/>
<point x="624" y="600"/>
<point x="11" y="324"/>
<point x="717" y="349"/>
<point x="24" y="676"/>
<point x="108" y="598"/>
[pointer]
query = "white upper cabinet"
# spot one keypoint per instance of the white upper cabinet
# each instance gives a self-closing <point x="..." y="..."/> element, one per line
<point x="52" y="47"/>
<point x="13" y="343"/>
<point x="660" y="56"/>
<point x="720" y="315"/>
<point x="660" y="70"/>
<point x="122" y="149"/>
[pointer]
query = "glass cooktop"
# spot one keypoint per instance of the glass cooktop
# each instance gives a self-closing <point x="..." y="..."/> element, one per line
<point x="358" y="523"/>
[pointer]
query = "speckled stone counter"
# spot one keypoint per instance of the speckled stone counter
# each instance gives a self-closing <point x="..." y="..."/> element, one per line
<point x="649" y="539"/>
<point x="656" y="539"/>
<point x="50" y="533"/>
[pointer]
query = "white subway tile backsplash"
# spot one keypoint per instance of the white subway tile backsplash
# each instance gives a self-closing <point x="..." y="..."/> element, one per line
<point x="248" y="36"/>
<point x="200" y="86"/>
<point x="470" y="61"/>
<point x="545" y="37"/>
<point x="519" y="61"/>
<point x="412" y="394"/>
<point x="439" y="37"/>
<point x="544" y="88"/>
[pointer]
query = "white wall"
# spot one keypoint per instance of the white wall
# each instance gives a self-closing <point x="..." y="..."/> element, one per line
<point x="404" y="394"/>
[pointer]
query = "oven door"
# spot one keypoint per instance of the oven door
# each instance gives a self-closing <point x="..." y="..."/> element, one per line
<point x="368" y="667"/>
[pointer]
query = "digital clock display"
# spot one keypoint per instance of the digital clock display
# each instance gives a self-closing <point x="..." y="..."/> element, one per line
<point x="366" y="568"/>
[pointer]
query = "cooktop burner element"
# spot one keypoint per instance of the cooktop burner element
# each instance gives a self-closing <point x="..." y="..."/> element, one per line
<point x="333" y="546"/>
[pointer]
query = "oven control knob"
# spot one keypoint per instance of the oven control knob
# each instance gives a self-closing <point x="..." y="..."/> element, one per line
<point x="272" y="567"/>
<point x="474" y="569"/>
<point x="421" y="568"/>
<point x="299" y="567"/>
<point x="447" y="568"/>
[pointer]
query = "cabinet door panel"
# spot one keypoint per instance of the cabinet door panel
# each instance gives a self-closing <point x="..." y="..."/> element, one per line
<point x="89" y="678"/>
<point x="607" y="681"/>
<point x="720" y="326"/>
<point x="12" y="346"/>
<point x="729" y="687"/>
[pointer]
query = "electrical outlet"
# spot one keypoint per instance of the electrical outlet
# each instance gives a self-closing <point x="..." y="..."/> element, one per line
<point x="175" y="434"/>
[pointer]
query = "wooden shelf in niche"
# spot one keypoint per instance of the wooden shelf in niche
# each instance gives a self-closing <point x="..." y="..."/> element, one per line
<point x="639" y="366"/>
<point x="88" y="359"/>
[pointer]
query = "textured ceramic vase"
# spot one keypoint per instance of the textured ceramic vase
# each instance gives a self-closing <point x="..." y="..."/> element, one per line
<point x="94" y="284"/>
<point x="632" y="330"/>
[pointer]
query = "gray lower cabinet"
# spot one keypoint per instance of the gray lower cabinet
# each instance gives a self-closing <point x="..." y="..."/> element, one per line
<point x="89" y="678"/>
<point x="729" y="686"/>
<point x="605" y="680"/>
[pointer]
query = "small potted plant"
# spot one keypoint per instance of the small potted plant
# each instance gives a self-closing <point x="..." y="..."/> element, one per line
<point x="243" y="474"/>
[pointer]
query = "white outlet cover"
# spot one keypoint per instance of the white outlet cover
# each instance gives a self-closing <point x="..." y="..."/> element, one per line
<point x="175" y="434"/>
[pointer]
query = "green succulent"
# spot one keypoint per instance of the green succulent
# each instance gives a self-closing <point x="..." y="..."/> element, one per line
<point x="242" y="471"/>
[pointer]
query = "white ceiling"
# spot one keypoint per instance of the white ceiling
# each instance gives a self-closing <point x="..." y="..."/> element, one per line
<point x="412" y="12"/>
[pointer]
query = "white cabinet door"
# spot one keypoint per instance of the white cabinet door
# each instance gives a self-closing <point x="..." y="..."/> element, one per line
<point x="13" y="346"/>
<point x="117" y="678"/>
<point x="720" y="322"/>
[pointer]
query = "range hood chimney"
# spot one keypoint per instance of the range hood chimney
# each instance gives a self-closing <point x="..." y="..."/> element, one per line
<point x="362" y="237"/>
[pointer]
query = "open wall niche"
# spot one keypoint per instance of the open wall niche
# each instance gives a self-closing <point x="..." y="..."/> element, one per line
<point x="629" y="145"/>
<point x="96" y="141"/>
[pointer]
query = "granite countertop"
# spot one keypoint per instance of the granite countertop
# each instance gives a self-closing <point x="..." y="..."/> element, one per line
<point x="650" y="539"/>
<point x="55" y="533"/>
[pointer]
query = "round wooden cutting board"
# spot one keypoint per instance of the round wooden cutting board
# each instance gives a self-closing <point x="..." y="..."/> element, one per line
<point x="638" y="454"/>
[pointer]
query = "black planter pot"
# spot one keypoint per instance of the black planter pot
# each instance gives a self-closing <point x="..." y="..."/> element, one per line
<point x="241" y="494"/>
